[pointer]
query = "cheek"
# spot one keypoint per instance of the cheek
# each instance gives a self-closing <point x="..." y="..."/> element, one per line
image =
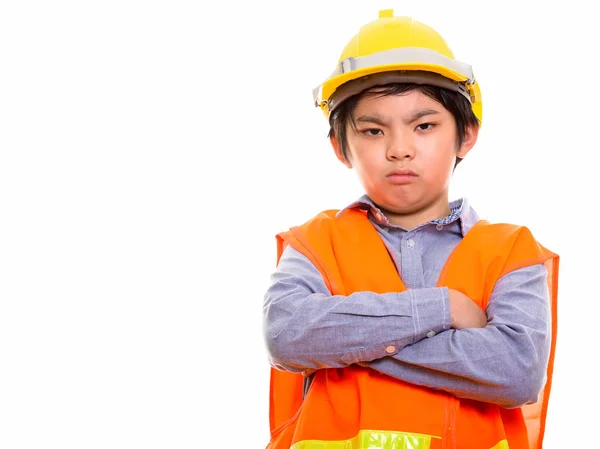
<point x="367" y="167"/>
<point x="439" y="157"/>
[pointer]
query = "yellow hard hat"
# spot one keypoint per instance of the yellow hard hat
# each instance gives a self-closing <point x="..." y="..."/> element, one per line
<point x="396" y="50"/>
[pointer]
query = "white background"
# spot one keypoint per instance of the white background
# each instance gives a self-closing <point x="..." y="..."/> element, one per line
<point x="149" y="152"/>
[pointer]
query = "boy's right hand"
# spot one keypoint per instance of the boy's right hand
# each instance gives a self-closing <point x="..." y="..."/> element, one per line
<point x="464" y="312"/>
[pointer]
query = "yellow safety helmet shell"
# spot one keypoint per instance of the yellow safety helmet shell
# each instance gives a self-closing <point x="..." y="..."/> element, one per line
<point x="396" y="49"/>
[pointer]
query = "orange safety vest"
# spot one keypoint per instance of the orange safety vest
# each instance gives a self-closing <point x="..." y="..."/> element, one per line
<point x="357" y="407"/>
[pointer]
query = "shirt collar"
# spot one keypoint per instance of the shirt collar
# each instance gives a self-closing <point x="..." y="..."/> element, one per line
<point x="460" y="210"/>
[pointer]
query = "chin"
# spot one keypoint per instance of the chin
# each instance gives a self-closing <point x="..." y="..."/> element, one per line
<point x="401" y="206"/>
<point x="403" y="209"/>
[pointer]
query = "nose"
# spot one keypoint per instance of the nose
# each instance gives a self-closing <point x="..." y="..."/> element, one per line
<point x="400" y="148"/>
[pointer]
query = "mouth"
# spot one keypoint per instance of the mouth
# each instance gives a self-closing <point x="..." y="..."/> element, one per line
<point x="401" y="176"/>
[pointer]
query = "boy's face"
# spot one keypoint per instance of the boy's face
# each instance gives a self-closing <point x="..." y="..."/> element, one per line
<point x="403" y="150"/>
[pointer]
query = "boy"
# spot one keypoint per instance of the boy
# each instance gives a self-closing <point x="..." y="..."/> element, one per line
<point x="403" y="320"/>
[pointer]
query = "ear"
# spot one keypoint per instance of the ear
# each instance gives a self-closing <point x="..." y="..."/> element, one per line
<point x="337" y="147"/>
<point x="471" y="134"/>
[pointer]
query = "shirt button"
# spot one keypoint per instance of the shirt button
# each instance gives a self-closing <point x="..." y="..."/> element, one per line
<point x="390" y="349"/>
<point x="439" y="227"/>
<point x="430" y="334"/>
<point x="410" y="243"/>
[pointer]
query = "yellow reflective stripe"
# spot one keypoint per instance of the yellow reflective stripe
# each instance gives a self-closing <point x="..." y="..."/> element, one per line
<point x="373" y="439"/>
<point x="503" y="444"/>
<point x="380" y="439"/>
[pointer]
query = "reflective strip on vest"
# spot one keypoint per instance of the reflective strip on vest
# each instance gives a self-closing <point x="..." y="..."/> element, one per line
<point x="375" y="439"/>
<point x="379" y="439"/>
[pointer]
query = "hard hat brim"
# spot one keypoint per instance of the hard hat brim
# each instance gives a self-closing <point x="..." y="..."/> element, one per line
<point x="367" y="82"/>
<point x="418" y="64"/>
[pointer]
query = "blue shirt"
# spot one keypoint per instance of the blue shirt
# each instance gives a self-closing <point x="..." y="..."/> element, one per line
<point x="307" y="328"/>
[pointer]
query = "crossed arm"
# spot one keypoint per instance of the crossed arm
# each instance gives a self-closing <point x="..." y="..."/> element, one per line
<point x="411" y="335"/>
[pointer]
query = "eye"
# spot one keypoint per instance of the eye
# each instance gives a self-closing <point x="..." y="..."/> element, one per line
<point x="425" y="126"/>
<point x="372" y="132"/>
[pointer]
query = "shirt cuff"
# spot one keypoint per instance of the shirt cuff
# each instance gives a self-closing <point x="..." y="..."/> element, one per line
<point x="430" y="310"/>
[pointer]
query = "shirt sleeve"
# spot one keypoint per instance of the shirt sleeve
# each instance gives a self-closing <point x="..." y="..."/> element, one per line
<point x="503" y="363"/>
<point x="306" y="328"/>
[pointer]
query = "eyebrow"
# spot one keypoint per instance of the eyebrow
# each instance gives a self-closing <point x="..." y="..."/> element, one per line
<point x="420" y="114"/>
<point x="412" y="118"/>
<point x="372" y="119"/>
